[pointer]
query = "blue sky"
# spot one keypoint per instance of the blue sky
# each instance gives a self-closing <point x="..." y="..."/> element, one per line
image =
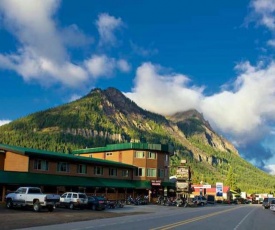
<point x="167" y="56"/>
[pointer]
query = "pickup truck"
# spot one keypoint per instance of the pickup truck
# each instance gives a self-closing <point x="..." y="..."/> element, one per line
<point x="31" y="197"/>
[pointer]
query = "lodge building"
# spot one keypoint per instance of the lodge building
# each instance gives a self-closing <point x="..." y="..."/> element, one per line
<point x="116" y="170"/>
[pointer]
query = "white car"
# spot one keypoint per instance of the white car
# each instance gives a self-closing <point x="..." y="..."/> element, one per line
<point x="272" y="205"/>
<point x="73" y="200"/>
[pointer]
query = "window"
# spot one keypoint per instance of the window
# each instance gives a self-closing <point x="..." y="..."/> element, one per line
<point x="98" y="170"/>
<point x="139" y="154"/>
<point x="140" y="172"/>
<point x="41" y="165"/>
<point x="152" y="155"/>
<point x="63" y="167"/>
<point x="151" y="172"/>
<point x="34" y="191"/>
<point x="166" y="157"/>
<point x="112" y="172"/>
<point x="161" y="173"/>
<point x="125" y="173"/>
<point x="82" y="169"/>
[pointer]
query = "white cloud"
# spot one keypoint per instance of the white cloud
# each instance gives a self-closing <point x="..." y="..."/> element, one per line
<point x="270" y="169"/>
<point x="75" y="97"/>
<point x="42" y="54"/>
<point x="271" y="42"/>
<point x="103" y="66"/>
<point x="245" y="114"/>
<point x="264" y="10"/>
<point x="107" y="25"/>
<point x="100" y="65"/>
<point x="142" y="51"/>
<point x="3" y="122"/>
<point x="123" y="65"/>
<point x="165" y="94"/>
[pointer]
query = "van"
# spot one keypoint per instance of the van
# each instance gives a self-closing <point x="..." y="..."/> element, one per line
<point x="266" y="202"/>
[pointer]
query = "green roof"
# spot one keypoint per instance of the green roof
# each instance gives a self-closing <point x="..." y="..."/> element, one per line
<point x="62" y="156"/>
<point x="127" y="146"/>
<point x="37" y="179"/>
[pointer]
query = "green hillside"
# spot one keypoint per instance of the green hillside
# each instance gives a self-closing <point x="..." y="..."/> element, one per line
<point x="106" y="116"/>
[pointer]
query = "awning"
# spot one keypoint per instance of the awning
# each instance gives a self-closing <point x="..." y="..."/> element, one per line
<point x="37" y="179"/>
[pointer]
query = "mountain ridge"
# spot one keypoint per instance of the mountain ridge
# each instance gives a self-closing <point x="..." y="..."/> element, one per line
<point x="107" y="116"/>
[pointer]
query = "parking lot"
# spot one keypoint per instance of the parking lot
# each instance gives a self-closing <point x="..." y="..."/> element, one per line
<point x="24" y="218"/>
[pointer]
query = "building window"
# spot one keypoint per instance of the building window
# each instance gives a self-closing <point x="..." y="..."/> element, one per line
<point x="63" y="167"/>
<point x="112" y="172"/>
<point x="161" y="173"/>
<point x="166" y="157"/>
<point x="152" y="155"/>
<point x="98" y="170"/>
<point x="139" y="154"/>
<point x="151" y="172"/>
<point x="41" y="165"/>
<point x="125" y="173"/>
<point x="82" y="169"/>
<point x="140" y="172"/>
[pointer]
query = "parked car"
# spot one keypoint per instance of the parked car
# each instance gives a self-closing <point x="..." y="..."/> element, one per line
<point x="210" y="199"/>
<point x="272" y="205"/>
<point x="266" y="202"/>
<point x="73" y="200"/>
<point x="31" y="197"/>
<point x="200" y="200"/>
<point x="96" y="203"/>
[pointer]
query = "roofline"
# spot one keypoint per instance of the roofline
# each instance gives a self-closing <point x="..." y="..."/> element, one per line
<point x="127" y="146"/>
<point x="68" y="157"/>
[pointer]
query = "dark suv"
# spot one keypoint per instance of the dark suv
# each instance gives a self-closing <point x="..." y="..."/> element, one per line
<point x="266" y="202"/>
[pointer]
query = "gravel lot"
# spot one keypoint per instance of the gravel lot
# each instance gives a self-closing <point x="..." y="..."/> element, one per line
<point x="24" y="218"/>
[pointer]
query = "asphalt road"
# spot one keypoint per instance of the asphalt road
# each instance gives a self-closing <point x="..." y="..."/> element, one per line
<point x="241" y="217"/>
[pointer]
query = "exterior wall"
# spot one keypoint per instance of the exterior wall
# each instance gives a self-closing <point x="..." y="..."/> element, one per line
<point x="2" y="159"/>
<point x="128" y="157"/>
<point x="73" y="170"/>
<point x="16" y="162"/>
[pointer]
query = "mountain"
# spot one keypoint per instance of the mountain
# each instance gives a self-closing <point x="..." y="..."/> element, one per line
<point x="106" y="116"/>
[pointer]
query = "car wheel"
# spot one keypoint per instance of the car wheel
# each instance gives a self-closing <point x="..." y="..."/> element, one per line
<point x="71" y="206"/>
<point x="93" y="207"/>
<point x="36" y="206"/>
<point x="9" y="204"/>
<point x="202" y="204"/>
<point x="50" y="208"/>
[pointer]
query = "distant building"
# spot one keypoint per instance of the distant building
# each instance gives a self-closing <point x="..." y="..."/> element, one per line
<point x="200" y="189"/>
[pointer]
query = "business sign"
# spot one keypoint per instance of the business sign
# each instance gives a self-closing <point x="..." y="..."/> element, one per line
<point x="182" y="185"/>
<point x="203" y="186"/>
<point x="182" y="172"/>
<point x="219" y="189"/>
<point x="156" y="182"/>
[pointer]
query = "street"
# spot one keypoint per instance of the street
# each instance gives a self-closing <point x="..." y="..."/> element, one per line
<point x="241" y="217"/>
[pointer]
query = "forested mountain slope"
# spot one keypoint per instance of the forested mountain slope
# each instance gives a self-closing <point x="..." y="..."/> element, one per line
<point x="107" y="116"/>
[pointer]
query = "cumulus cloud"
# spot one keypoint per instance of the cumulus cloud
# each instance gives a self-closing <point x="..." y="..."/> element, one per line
<point x="264" y="10"/>
<point x="151" y="84"/>
<point x="103" y="66"/>
<point x="3" y="122"/>
<point x="270" y="169"/>
<point x="107" y="25"/>
<point x="246" y="114"/>
<point x="42" y="55"/>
